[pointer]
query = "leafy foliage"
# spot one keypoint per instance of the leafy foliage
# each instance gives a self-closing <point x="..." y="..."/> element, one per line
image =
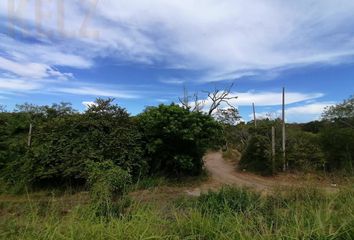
<point x="65" y="142"/>
<point x="341" y="112"/>
<point x="107" y="181"/>
<point x="228" y="116"/>
<point x="338" y="136"/>
<point x="304" y="151"/>
<point x="176" y="139"/>
<point x="257" y="155"/>
<point x="338" y="145"/>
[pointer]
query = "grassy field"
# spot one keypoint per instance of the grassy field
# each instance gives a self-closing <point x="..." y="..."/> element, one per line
<point x="231" y="213"/>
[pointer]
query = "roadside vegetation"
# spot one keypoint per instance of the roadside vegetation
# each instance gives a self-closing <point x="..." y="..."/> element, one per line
<point x="231" y="213"/>
<point x="71" y="174"/>
<point x="324" y="146"/>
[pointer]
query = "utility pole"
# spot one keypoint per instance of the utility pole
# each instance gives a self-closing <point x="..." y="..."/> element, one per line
<point x="29" y="140"/>
<point x="254" y="115"/>
<point x="273" y="148"/>
<point x="283" y="132"/>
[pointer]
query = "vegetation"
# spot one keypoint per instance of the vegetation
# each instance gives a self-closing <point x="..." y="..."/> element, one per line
<point x="257" y="156"/>
<point x="300" y="213"/>
<point x="107" y="152"/>
<point x="325" y="145"/>
<point x="66" y="144"/>
<point x="176" y="139"/>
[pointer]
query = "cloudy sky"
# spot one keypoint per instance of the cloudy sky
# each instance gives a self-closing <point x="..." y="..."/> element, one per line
<point x="144" y="52"/>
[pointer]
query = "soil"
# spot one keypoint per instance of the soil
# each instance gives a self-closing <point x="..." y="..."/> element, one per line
<point x="224" y="172"/>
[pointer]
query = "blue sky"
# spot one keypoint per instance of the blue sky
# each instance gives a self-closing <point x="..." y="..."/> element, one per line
<point x="144" y="53"/>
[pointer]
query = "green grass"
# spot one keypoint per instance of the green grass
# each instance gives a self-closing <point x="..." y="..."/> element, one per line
<point x="231" y="213"/>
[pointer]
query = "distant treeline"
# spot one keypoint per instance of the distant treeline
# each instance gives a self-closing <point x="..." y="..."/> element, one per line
<point x="69" y="147"/>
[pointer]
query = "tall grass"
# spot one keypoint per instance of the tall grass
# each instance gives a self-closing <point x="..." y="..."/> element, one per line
<point x="232" y="213"/>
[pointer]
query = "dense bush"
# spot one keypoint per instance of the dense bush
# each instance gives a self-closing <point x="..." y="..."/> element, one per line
<point x="13" y="147"/>
<point x="338" y="145"/>
<point x="338" y="136"/>
<point x="176" y="139"/>
<point x="304" y="151"/>
<point x="65" y="142"/>
<point x="107" y="182"/>
<point x="257" y="156"/>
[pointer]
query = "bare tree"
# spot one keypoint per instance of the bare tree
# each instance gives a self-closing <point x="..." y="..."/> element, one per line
<point x="192" y="103"/>
<point x="185" y="99"/>
<point x="2" y="108"/>
<point x="218" y="96"/>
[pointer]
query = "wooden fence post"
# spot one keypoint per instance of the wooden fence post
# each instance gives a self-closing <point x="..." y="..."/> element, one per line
<point x="284" y="134"/>
<point x="29" y="140"/>
<point x="254" y="115"/>
<point x="273" y="148"/>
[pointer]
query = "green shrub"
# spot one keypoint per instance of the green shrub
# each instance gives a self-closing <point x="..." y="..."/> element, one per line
<point x="338" y="145"/>
<point x="257" y="156"/>
<point x="108" y="183"/>
<point x="112" y="177"/>
<point x="64" y="142"/>
<point x="304" y="151"/>
<point x="338" y="135"/>
<point x="176" y="139"/>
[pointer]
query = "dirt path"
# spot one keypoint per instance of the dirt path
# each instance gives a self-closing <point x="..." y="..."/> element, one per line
<point x="223" y="172"/>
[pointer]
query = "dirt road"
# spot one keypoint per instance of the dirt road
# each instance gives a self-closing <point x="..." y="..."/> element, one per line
<point x="223" y="172"/>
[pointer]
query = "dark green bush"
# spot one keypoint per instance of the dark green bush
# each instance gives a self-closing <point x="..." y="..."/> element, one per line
<point x="176" y="139"/>
<point x="65" y="143"/>
<point x="304" y="151"/>
<point x="338" y="135"/>
<point x="338" y="145"/>
<point x="257" y="155"/>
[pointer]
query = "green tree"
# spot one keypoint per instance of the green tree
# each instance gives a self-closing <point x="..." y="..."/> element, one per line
<point x="176" y="139"/>
<point x="257" y="156"/>
<point x="338" y="136"/>
<point x="304" y="151"/>
<point x="65" y="142"/>
<point x="342" y="112"/>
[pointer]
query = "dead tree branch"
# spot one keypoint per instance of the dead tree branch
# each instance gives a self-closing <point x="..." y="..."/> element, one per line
<point x="218" y="97"/>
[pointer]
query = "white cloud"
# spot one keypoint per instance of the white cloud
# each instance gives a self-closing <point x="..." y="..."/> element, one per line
<point x="272" y="98"/>
<point x="268" y="98"/>
<point x="15" y="85"/>
<point x="309" y="109"/>
<point x="87" y="104"/>
<point x="265" y="115"/>
<point x="307" y="112"/>
<point x="98" y="92"/>
<point x="33" y="70"/>
<point x="232" y="38"/>
<point x="302" y="113"/>
<point x="173" y="81"/>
